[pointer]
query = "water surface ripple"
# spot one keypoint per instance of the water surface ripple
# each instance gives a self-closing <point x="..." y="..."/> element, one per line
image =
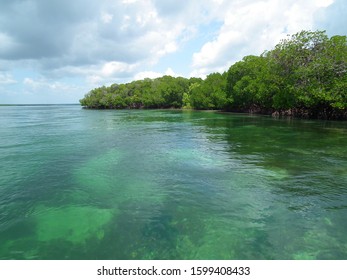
<point x="156" y="184"/>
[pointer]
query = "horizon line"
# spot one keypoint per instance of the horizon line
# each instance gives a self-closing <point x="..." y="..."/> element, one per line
<point x="39" y="104"/>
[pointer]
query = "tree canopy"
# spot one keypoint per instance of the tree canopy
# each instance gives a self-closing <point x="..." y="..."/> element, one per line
<point x="304" y="75"/>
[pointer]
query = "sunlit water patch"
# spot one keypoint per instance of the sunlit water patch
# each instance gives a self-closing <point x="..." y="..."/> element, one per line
<point x="132" y="184"/>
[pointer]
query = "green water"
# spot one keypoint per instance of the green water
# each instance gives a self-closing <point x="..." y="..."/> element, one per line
<point x="132" y="184"/>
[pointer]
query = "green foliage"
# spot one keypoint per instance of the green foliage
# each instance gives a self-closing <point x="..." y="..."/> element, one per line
<point x="305" y="74"/>
<point x="164" y="92"/>
<point x="247" y="84"/>
<point x="209" y="93"/>
<point x="311" y="70"/>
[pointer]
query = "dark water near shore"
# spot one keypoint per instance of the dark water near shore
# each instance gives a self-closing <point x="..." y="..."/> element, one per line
<point x="85" y="184"/>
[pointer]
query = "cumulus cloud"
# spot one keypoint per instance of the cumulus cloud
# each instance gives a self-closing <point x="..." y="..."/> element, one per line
<point x="43" y="90"/>
<point x="333" y="18"/>
<point x="251" y="27"/>
<point x="42" y="83"/>
<point x="152" y="74"/>
<point x="77" y="32"/>
<point x="6" y="79"/>
<point x="39" y="29"/>
<point x="147" y="74"/>
<point x="107" y="41"/>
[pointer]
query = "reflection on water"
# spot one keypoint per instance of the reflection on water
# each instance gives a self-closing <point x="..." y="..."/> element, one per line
<point x="84" y="184"/>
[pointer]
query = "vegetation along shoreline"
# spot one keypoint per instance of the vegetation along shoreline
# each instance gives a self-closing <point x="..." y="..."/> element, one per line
<point x="304" y="76"/>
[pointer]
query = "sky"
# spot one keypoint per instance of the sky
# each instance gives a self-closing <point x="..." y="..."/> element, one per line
<point x="56" y="51"/>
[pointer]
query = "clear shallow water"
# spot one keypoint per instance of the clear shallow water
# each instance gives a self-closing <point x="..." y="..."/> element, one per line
<point x="84" y="184"/>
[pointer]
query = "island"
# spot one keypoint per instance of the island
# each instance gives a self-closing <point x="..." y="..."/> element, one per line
<point x="305" y="76"/>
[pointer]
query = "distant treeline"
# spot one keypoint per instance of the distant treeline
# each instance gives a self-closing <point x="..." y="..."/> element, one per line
<point x="305" y="75"/>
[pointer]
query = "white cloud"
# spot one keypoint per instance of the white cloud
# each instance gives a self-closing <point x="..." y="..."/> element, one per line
<point x="129" y="1"/>
<point x="251" y="27"/>
<point x="168" y="48"/>
<point x="106" y="18"/>
<point x="7" y="79"/>
<point x="332" y="18"/>
<point x="152" y="74"/>
<point x="117" y="41"/>
<point x="116" y="67"/>
<point x="147" y="74"/>
<point x="170" y="72"/>
<point x="41" y="90"/>
<point x="45" y="84"/>
<point x="324" y="3"/>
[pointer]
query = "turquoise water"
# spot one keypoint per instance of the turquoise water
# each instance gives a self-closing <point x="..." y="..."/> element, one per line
<point x="133" y="184"/>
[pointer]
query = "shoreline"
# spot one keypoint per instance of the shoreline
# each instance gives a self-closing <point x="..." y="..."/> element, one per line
<point x="288" y="114"/>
